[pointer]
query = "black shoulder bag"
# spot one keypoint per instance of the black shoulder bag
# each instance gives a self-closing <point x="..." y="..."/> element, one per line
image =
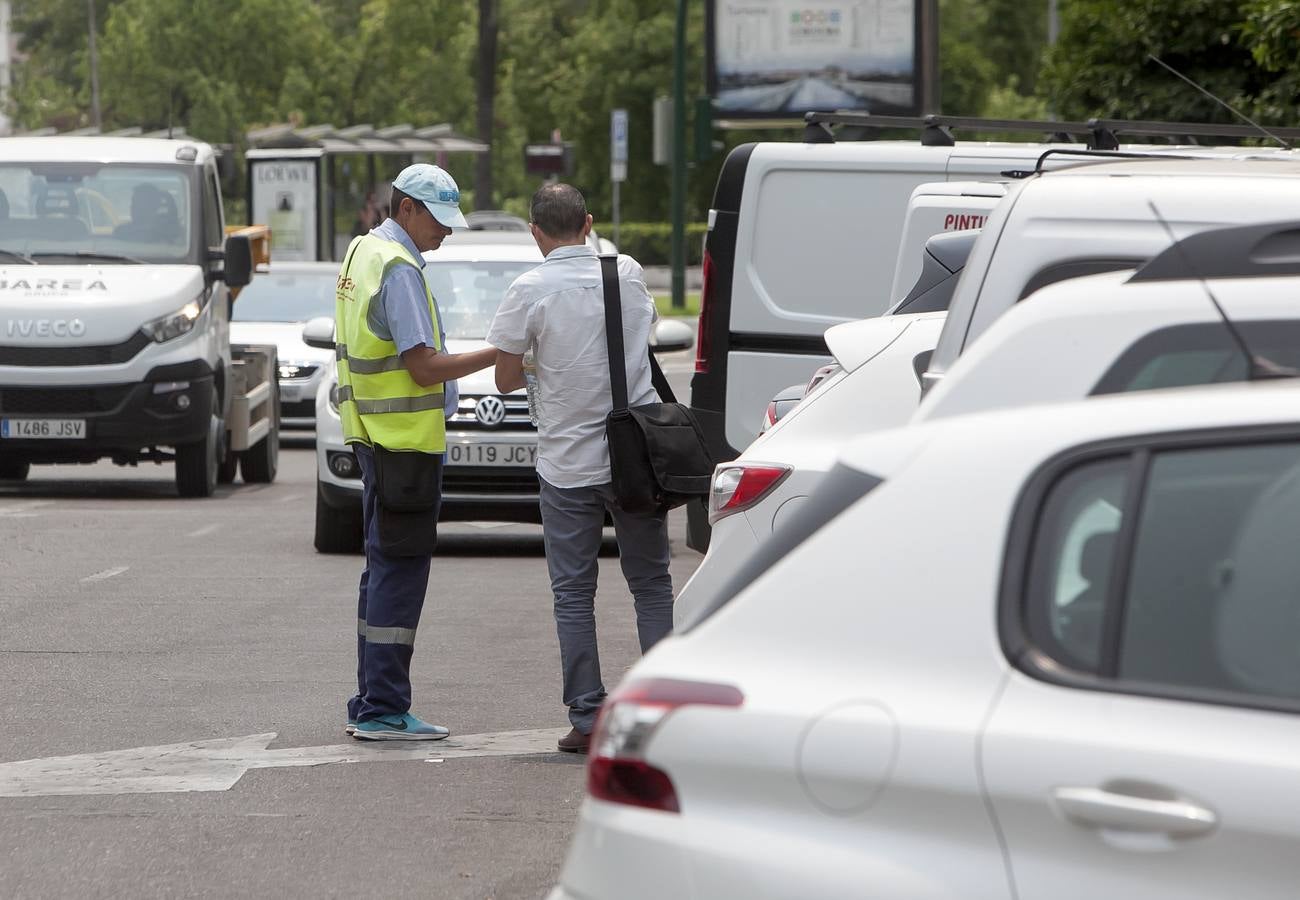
<point x="658" y="458"/>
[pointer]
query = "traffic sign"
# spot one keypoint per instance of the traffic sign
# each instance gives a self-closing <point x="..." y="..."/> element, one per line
<point x="618" y="144"/>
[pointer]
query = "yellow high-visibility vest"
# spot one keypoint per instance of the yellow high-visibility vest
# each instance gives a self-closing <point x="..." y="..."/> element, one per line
<point x="379" y="402"/>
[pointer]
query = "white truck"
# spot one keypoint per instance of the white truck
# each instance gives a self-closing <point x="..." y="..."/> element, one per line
<point x="116" y="282"/>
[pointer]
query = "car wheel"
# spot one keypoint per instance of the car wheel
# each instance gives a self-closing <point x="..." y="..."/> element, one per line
<point x="337" y="530"/>
<point x="197" y="464"/>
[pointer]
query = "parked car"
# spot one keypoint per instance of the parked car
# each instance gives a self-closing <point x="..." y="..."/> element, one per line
<point x="272" y="310"/>
<point x="1110" y="333"/>
<point x="1050" y="653"/>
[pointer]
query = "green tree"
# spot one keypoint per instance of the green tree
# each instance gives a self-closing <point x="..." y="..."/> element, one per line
<point x="1100" y="65"/>
<point x="52" y="86"/>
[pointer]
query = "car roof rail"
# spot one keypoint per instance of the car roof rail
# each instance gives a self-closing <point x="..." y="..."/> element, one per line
<point x="1093" y="154"/>
<point x="1098" y="134"/>
<point x="1241" y="251"/>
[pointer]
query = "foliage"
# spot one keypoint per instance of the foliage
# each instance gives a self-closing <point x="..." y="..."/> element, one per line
<point x="649" y="242"/>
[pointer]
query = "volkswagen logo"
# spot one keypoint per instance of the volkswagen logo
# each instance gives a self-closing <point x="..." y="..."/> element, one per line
<point x="490" y="411"/>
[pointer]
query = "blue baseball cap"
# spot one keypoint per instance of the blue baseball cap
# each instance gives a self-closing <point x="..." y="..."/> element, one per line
<point x="436" y="189"/>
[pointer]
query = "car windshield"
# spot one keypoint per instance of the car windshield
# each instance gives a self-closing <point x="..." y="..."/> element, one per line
<point x="468" y="293"/>
<point x="287" y="296"/>
<point x="56" y="212"/>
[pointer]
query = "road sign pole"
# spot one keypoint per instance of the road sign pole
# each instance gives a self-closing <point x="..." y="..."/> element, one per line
<point x="617" y="158"/>
<point x="678" y="250"/>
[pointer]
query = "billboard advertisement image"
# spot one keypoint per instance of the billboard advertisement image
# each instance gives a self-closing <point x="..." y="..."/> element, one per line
<point x="782" y="58"/>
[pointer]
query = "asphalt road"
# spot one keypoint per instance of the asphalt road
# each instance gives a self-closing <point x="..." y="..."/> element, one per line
<point x="134" y="619"/>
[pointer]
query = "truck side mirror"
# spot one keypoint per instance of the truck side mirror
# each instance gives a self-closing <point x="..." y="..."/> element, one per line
<point x="319" y="333"/>
<point x="238" y="270"/>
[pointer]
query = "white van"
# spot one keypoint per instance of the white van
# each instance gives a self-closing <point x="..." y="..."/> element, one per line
<point x="1099" y="218"/>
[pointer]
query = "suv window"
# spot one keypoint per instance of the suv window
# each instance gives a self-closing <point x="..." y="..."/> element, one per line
<point x="212" y="235"/>
<point x="1173" y="571"/>
<point x="1199" y="353"/>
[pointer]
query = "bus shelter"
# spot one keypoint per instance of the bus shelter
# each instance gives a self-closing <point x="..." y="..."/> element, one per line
<point x="317" y="186"/>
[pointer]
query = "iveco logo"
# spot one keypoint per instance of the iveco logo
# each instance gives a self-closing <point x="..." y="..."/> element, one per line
<point x="490" y="411"/>
<point x="46" y="328"/>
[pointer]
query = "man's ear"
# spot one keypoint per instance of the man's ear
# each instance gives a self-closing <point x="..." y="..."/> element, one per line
<point x="586" y="228"/>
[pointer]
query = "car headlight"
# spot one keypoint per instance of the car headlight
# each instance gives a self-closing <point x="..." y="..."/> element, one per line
<point x="165" y="328"/>
<point x="334" y="397"/>
<point x="292" y="370"/>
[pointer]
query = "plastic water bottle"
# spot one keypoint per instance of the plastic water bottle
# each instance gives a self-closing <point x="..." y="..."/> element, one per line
<point x="531" y="386"/>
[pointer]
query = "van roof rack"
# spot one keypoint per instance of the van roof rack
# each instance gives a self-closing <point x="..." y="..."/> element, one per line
<point x="1241" y="251"/>
<point x="1091" y="154"/>
<point x="1099" y="134"/>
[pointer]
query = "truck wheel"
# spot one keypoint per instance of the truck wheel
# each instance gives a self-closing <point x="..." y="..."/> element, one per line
<point x="197" y="463"/>
<point x="337" y="530"/>
<point x="14" y="470"/>
<point x="259" y="462"/>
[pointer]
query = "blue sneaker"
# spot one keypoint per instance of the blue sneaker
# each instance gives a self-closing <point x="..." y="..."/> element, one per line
<point x="405" y="727"/>
<point x="351" y="727"/>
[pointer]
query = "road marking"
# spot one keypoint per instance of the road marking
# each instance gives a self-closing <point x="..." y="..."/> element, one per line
<point x="104" y="575"/>
<point x="206" y="529"/>
<point x="217" y="765"/>
<point x="23" y="510"/>
<point x="288" y="498"/>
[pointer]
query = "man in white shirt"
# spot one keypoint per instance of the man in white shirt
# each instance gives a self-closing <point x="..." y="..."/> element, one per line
<point x="557" y="310"/>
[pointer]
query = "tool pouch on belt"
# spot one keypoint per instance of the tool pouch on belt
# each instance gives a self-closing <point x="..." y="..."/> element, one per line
<point x="408" y="488"/>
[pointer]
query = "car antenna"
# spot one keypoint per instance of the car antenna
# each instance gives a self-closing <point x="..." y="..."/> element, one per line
<point x="1258" y="368"/>
<point x="1240" y="115"/>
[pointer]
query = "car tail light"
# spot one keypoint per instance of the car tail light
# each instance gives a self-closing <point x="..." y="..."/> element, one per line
<point x="617" y="771"/>
<point x="738" y="487"/>
<point x="769" y="415"/>
<point x="704" y="333"/>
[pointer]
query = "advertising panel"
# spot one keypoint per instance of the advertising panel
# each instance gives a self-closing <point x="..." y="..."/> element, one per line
<point x="782" y="58"/>
<point x="284" y="197"/>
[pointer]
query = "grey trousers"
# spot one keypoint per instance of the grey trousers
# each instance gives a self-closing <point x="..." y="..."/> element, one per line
<point x="572" y="520"/>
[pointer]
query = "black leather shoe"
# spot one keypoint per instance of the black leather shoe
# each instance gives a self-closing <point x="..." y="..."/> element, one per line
<point x="574" y="742"/>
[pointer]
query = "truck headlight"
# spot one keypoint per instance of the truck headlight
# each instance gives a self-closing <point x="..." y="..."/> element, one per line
<point x="165" y="328"/>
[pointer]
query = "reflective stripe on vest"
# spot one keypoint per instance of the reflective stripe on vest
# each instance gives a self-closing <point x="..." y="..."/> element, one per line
<point x="379" y="402"/>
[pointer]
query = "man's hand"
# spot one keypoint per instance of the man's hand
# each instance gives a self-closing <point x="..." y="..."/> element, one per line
<point x="429" y="367"/>
<point x="510" y="371"/>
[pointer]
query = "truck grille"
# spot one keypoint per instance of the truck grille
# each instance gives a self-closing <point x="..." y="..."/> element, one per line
<point x="516" y="418"/>
<point x="44" y="401"/>
<point x="102" y="355"/>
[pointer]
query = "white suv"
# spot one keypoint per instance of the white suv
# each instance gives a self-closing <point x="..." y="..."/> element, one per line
<point x="1036" y="653"/>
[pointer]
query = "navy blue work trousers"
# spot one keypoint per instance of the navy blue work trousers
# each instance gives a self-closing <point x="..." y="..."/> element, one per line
<point x="389" y="601"/>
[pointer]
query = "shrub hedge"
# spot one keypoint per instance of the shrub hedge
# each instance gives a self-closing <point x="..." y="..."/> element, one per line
<point x="648" y="242"/>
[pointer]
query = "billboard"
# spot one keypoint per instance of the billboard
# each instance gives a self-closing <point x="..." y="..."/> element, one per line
<point x="782" y="58"/>
<point x="284" y="197"/>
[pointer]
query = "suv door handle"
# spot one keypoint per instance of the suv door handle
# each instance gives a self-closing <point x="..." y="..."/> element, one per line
<point x="1099" y="808"/>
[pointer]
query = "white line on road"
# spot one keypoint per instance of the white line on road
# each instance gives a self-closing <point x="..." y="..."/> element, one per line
<point x="23" y="510"/>
<point x="206" y="529"/>
<point x="217" y="765"/>
<point x="288" y="498"/>
<point x="104" y="575"/>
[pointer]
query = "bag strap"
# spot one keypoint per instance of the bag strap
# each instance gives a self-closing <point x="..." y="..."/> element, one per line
<point x="614" y="341"/>
<point x="614" y="331"/>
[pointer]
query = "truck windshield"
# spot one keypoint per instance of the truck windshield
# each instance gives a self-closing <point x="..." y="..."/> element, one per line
<point x="117" y="213"/>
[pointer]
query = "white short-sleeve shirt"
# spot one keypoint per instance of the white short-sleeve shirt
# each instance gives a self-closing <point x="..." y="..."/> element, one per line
<point x="558" y="310"/>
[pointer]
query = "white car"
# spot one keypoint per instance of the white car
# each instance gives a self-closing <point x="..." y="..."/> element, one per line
<point x="1046" y="654"/>
<point x="491" y="443"/>
<point x="877" y="388"/>
<point x="1102" y="334"/>
<point x="272" y="310"/>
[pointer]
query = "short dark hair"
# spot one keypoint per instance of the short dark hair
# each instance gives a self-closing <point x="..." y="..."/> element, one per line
<point x="395" y="200"/>
<point x="559" y="210"/>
